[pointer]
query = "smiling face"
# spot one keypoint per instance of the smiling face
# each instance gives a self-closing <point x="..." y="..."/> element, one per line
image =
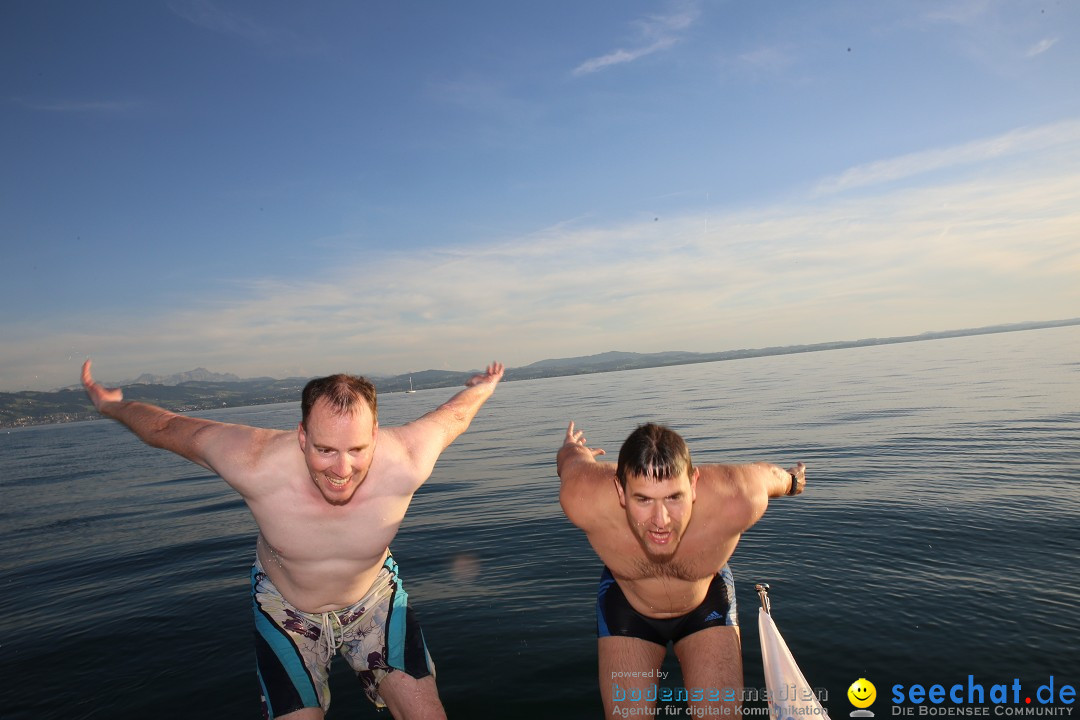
<point x="338" y="449"/>
<point x="658" y="511"/>
<point x="862" y="693"/>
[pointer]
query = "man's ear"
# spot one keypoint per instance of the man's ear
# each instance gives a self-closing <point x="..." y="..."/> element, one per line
<point x="693" y="484"/>
<point x="301" y="436"/>
<point x="619" y="489"/>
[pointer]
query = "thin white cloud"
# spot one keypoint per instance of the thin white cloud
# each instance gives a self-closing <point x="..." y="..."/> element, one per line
<point x="1025" y="140"/>
<point x="619" y="57"/>
<point x="657" y="32"/>
<point x="1042" y="46"/>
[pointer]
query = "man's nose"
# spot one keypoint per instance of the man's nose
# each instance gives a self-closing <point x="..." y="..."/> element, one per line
<point x="343" y="467"/>
<point x="660" y="515"/>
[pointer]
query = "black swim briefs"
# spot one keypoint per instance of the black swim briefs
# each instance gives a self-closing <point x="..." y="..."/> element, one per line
<point x="615" y="615"/>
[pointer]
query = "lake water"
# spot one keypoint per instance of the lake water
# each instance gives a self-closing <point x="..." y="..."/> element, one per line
<point x="938" y="537"/>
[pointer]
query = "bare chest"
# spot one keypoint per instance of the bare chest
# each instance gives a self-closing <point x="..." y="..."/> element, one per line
<point x="694" y="560"/>
<point x="668" y="588"/>
<point x="304" y="530"/>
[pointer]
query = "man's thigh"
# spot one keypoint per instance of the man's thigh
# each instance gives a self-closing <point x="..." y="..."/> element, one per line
<point x="628" y="670"/>
<point x="410" y="698"/>
<point x="711" y="661"/>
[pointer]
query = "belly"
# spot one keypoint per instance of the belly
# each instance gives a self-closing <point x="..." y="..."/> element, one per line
<point x="318" y="586"/>
<point x="664" y="597"/>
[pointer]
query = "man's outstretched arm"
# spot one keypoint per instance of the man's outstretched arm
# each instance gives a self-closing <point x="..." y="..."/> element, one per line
<point x="218" y="447"/>
<point x="749" y="487"/>
<point x="775" y="480"/>
<point x="425" y="438"/>
<point x="585" y="482"/>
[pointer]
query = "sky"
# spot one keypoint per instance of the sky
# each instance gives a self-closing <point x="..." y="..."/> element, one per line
<point x="287" y="189"/>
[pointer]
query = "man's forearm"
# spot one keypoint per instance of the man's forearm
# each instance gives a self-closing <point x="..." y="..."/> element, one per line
<point x="458" y="412"/>
<point x="778" y="481"/>
<point x="146" y="421"/>
<point x="157" y="427"/>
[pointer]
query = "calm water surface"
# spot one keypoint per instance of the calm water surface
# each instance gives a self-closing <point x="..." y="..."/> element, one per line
<point x="938" y="538"/>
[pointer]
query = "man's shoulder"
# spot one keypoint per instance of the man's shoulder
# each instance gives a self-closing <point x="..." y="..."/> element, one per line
<point x="276" y="443"/>
<point x="252" y="460"/>
<point x="392" y="461"/>
<point x="720" y="481"/>
<point x="727" y="501"/>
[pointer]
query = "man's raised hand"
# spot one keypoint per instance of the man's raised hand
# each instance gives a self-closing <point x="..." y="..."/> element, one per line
<point x="99" y="395"/>
<point x="577" y="437"/>
<point x="492" y="375"/>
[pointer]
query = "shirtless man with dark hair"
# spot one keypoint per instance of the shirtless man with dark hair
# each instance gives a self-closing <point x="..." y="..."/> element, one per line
<point x="665" y="530"/>
<point x="328" y="498"/>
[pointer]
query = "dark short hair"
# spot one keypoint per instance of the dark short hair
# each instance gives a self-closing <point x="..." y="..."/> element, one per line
<point x="343" y="392"/>
<point x="655" y="452"/>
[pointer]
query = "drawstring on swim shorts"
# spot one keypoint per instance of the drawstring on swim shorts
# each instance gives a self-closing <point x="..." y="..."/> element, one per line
<point x="333" y="639"/>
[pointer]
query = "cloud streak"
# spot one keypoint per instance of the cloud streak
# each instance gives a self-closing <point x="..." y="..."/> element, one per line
<point x="1042" y="46"/>
<point x="658" y="32"/>
<point x="1018" y="142"/>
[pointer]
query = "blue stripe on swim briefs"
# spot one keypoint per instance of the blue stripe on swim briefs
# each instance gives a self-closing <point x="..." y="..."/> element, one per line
<point x="285" y="651"/>
<point x="606" y="581"/>
<point x="395" y="630"/>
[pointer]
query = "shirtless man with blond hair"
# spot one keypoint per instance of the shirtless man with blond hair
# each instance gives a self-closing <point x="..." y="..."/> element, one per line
<point x="328" y="498"/>
<point x="665" y="530"/>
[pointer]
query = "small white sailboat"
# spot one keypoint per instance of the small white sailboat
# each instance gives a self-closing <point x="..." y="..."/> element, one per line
<point x="790" y="695"/>
<point x="410" y="390"/>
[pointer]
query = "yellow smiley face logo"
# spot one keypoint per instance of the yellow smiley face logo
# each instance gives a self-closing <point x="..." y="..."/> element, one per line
<point x="862" y="693"/>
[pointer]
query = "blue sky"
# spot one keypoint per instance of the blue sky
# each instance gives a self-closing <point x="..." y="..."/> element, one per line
<point x="264" y="188"/>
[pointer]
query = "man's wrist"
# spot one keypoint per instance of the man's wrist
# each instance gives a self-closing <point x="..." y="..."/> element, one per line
<point x="794" y="489"/>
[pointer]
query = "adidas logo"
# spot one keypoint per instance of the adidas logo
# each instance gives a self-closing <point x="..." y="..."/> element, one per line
<point x="714" y="615"/>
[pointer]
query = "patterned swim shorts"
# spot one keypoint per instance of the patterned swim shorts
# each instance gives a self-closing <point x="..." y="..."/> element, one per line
<point x="376" y="635"/>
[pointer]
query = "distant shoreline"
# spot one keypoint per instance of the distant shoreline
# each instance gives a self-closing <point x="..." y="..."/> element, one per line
<point x="29" y="408"/>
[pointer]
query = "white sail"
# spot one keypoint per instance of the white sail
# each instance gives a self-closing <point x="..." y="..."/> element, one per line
<point x="790" y="696"/>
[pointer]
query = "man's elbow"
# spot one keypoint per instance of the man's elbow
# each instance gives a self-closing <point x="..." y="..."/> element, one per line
<point x="163" y="431"/>
<point x="456" y="420"/>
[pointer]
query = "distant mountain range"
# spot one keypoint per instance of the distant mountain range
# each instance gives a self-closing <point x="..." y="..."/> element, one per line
<point x="196" y="375"/>
<point x="201" y="389"/>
